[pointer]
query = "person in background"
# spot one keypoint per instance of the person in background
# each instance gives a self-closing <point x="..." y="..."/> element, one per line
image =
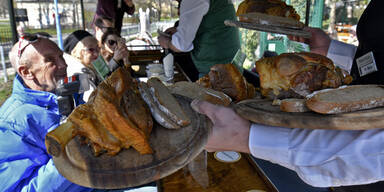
<point x="321" y="158"/>
<point x="101" y="25"/>
<point x="114" y="9"/>
<point x="81" y="50"/>
<point x="202" y="31"/>
<point x="113" y="49"/>
<point x="28" y="115"/>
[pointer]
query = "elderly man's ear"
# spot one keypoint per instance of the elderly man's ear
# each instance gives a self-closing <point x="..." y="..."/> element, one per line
<point x="25" y="72"/>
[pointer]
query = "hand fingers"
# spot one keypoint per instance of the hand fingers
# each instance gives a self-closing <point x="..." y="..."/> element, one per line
<point x="205" y="108"/>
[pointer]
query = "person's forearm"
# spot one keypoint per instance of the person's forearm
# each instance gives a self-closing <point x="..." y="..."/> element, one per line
<point x="322" y="158"/>
<point x="49" y="179"/>
<point x="166" y="43"/>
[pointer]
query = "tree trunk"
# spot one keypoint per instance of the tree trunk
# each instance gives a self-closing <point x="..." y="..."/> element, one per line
<point x="159" y="16"/>
<point x="332" y="19"/>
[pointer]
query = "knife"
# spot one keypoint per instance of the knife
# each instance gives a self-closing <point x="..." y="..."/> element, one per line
<point x="198" y="169"/>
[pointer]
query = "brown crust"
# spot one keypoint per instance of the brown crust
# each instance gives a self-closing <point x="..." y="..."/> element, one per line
<point x="293" y="105"/>
<point x="194" y="91"/>
<point x="167" y="103"/>
<point x="159" y="115"/>
<point x="359" y="97"/>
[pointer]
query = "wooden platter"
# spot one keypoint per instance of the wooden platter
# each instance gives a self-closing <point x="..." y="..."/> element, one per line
<point x="173" y="149"/>
<point x="269" y="28"/>
<point x="271" y="20"/>
<point x="263" y="112"/>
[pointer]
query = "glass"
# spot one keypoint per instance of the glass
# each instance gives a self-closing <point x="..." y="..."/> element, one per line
<point x="30" y="38"/>
<point x="112" y="42"/>
<point x="92" y="50"/>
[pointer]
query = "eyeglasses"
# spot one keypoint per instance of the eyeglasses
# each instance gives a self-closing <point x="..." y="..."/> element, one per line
<point x="92" y="50"/>
<point x="30" y="38"/>
<point x="112" y="42"/>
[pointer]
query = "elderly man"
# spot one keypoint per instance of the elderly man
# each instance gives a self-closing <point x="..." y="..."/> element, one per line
<point x="27" y="116"/>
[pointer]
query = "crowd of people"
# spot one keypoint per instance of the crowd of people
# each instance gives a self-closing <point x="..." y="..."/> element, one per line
<point x="321" y="158"/>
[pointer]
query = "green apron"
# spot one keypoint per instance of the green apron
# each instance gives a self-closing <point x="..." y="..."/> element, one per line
<point x="215" y="43"/>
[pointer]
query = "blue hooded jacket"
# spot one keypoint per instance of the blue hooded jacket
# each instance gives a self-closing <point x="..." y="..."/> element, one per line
<point x="25" y="119"/>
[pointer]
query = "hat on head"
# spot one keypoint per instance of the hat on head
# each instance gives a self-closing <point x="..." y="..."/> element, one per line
<point x="71" y="41"/>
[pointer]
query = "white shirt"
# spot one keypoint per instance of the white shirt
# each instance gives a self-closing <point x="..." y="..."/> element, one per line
<point x="342" y="54"/>
<point x="191" y="15"/>
<point x="324" y="158"/>
<point x="74" y="66"/>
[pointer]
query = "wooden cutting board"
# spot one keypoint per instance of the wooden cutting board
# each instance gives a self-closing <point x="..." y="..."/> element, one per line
<point x="269" y="28"/>
<point x="263" y="112"/>
<point x="173" y="149"/>
<point x="271" y="20"/>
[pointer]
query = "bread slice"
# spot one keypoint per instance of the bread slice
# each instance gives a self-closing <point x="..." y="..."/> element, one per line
<point x="196" y="91"/>
<point x="346" y="99"/>
<point x="167" y="102"/>
<point x="159" y="115"/>
<point x="293" y="105"/>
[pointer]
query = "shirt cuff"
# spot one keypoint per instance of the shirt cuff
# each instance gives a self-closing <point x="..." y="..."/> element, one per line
<point x="342" y="54"/>
<point x="270" y="143"/>
<point x="178" y="42"/>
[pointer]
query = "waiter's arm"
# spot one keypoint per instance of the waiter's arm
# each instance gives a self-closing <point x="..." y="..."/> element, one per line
<point x="321" y="158"/>
<point x="191" y="15"/>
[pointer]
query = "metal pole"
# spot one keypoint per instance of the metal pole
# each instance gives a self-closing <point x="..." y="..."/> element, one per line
<point x="3" y="64"/>
<point x="58" y="28"/>
<point x="307" y="9"/>
<point x="82" y="13"/>
<point x="12" y="21"/>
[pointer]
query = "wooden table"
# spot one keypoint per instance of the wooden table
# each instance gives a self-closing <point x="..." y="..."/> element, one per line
<point x="241" y="176"/>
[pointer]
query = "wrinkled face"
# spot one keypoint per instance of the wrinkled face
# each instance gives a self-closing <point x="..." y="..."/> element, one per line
<point x="111" y="42"/>
<point x="90" y="50"/>
<point x="48" y="65"/>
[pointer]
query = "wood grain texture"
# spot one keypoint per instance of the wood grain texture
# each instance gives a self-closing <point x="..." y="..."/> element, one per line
<point x="240" y="176"/>
<point x="173" y="149"/>
<point x="261" y="18"/>
<point x="262" y="112"/>
<point x="269" y="28"/>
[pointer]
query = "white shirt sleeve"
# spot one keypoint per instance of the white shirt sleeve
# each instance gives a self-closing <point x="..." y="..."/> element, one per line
<point x="322" y="158"/>
<point x="191" y="14"/>
<point x="342" y="54"/>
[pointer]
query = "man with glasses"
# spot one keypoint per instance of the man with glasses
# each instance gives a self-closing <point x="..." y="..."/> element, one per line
<point x="28" y="114"/>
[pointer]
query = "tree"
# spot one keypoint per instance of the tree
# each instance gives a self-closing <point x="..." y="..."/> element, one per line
<point x="3" y="8"/>
<point x="332" y="18"/>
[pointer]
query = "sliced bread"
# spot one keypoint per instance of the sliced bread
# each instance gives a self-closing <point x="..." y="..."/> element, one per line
<point x="159" y="115"/>
<point x="293" y="105"/>
<point x="196" y="91"/>
<point x="346" y="99"/>
<point x="167" y="102"/>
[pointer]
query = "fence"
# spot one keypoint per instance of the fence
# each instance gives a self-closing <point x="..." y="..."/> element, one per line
<point x="129" y="30"/>
<point x="6" y="44"/>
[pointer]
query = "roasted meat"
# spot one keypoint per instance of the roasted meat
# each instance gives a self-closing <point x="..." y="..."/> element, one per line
<point x="228" y="79"/>
<point x="298" y="74"/>
<point x="115" y="117"/>
<point x="270" y="7"/>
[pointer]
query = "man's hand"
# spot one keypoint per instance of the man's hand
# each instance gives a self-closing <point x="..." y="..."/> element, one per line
<point x="318" y="43"/>
<point x="171" y="30"/>
<point x="121" y="52"/>
<point x="229" y="131"/>
<point x="164" y="41"/>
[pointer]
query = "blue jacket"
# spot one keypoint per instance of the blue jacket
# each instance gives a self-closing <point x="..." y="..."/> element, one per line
<point x="25" y="119"/>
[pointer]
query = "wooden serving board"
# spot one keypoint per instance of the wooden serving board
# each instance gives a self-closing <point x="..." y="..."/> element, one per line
<point x="263" y="112"/>
<point x="269" y="28"/>
<point x="265" y="19"/>
<point x="173" y="149"/>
